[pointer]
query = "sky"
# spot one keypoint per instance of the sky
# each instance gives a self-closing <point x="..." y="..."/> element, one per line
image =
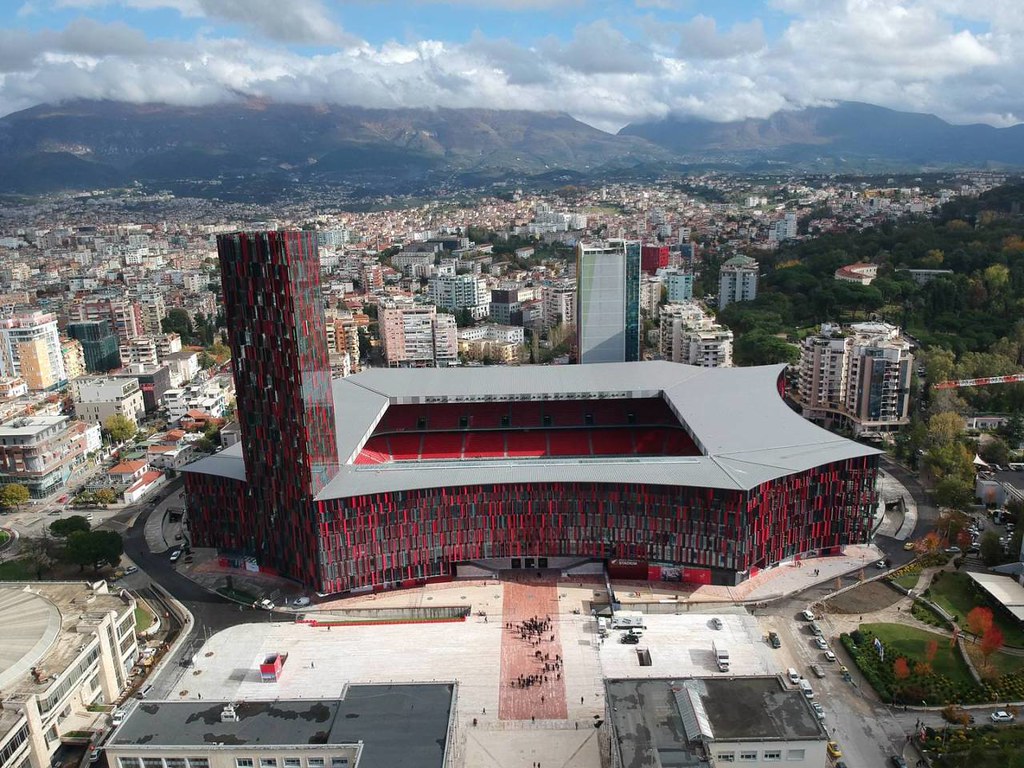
<point x="605" y="62"/>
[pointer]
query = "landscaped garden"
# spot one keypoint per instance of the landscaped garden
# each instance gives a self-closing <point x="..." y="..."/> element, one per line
<point x="957" y="594"/>
<point x="985" y="746"/>
<point x="17" y="570"/>
<point x="143" y="619"/>
<point x="918" y="666"/>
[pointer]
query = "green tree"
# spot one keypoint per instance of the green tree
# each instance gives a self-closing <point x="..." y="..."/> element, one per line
<point x="953" y="492"/>
<point x="13" y="495"/>
<point x="178" y="321"/>
<point x="95" y="548"/>
<point x="105" y="496"/>
<point x="944" y="429"/>
<point x="995" y="451"/>
<point x="991" y="550"/>
<point x="119" y="428"/>
<point x="39" y="554"/>
<point x="68" y="525"/>
<point x="760" y="348"/>
<point x="1014" y="430"/>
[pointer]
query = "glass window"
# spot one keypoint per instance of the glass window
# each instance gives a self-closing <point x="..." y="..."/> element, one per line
<point x="152" y="762"/>
<point x="747" y="756"/>
<point x="314" y="762"/>
<point x="268" y="762"/>
<point x="795" y="754"/>
<point x="243" y="762"/>
<point x="198" y="762"/>
<point x="726" y="757"/>
<point x="129" y="762"/>
<point x="174" y="762"/>
<point x="339" y="762"/>
<point x="292" y="762"/>
<point x="772" y="755"/>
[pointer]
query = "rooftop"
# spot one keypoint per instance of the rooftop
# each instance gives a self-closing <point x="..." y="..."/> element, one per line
<point x="663" y="723"/>
<point x="403" y="725"/>
<point x="745" y="430"/>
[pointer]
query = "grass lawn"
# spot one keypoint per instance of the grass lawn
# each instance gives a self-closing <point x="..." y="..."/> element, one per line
<point x="17" y="570"/>
<point x="955" y="592"/>
<point x="143" y="619"/>
<point x="913" y="643"/>
<point x="4" y="537"/>
<point x="908" y="580"/>
<point x="998" y="663"/>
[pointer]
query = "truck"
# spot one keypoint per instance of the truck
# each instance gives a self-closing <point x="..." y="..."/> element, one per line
<point x="628" y="620"/>
<point x="721" y="656"/>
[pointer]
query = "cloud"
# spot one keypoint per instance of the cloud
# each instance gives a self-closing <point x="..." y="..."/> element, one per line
<point x="599" y="48"/>
<point x="699" y="38"/>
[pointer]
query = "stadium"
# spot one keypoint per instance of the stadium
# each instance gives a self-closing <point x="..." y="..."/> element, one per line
<point x="658" y="470"/>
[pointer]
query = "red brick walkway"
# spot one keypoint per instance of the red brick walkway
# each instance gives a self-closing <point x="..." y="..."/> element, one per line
<point x="523" y="601"/>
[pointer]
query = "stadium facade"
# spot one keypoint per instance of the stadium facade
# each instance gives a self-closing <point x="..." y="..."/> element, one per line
<point x="661" y="470"/>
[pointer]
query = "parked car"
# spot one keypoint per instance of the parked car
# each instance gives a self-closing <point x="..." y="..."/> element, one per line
<point x="1002" y="716"/>
<point x="301" y="601"/>
<point x="833" y="750"/>
<point x="94" y="755"/>
<point x="817" y="670"/>
<point x="821" y="643"/>
<point x="897" y="761"/>
<point x="130" y="570"/>
<point x="118" y="717"/>
<point x="952" y="550"/>
<point x="807" y="615"/>
<point x="265" y="604"/>
<point x="829" y="656"/>
<point x="819" y="711"/>
<point x="773" y="640"/>
<point x="175" y="555"/>
<point x="716" y="623"/>
<point x="908" y="546"/>
<point x="816" y="630"/>
<point x="629" y="638"/>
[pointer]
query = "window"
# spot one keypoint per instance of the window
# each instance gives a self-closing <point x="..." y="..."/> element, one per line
<point x="268" y="762"/>
<point x="795" y="754"/>
<point x="314" y="762"/>
<point x="292" y="762"/>
<point x="726" y="757"/>
<point x="243" y="762"/>
<point x="198" y="762"/>
<point x="152" y="762"/>
<point x="748" y="756"/>
<point x="772" y="755"/>
<point x="339" y="762"/>
<point x="174" y="762"/>
<point x="129" y="762"/>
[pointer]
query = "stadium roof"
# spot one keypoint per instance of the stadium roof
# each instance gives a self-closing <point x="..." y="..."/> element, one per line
<point x="745" y="431"/>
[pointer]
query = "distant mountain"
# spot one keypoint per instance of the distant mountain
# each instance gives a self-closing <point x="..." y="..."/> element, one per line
<point x="86" y="144"/>
<point x="849" y="135"/>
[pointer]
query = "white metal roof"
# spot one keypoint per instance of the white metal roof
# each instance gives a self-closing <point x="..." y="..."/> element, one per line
<point x="735" y="415"/>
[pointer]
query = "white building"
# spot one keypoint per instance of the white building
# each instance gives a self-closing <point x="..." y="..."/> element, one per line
<point x="30" y="349"/>
<point x="688" y="335"/>
<point x="206" y="396"/>
<point x="67" y="646"/>
<point x="559" y="303"/>
<point x="99" y="398"/>
<point x="458" y="292"/>
<point x="678" y="285"/>
<point x="737" y="281"/>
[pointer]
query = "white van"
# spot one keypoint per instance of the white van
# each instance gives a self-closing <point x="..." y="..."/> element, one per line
<point x="805" y="687"/>
<point x="793" y="675"/>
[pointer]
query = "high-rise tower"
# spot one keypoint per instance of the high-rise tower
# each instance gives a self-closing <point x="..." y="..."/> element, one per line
<point x="608" y="302"/>
<point x="275" y="317"/>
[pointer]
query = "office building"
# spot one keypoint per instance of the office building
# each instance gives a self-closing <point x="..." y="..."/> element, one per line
<point x="68" y="648"/>
<point x="608" y="302"/>
<point x="99" y="345"/>
<point x="737" y="281"/>
<point x="30" y="349"/>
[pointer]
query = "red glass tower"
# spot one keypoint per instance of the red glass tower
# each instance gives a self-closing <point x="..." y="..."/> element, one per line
<point x="275" y="317"/>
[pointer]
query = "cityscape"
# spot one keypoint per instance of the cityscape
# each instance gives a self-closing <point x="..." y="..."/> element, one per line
<point x="613" y="385"/>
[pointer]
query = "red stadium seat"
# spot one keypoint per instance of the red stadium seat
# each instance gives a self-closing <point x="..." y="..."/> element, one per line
<point x="612" y="442"/>
<point x="484" y="445"/>
<point x="523" y="444"/>
<point x="405" y="447"/>
<point x="442" y="445"/>
<point x="569" y="442"/>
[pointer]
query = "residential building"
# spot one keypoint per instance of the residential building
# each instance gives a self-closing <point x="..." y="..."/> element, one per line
<point x="154" y="381"/>
<point x="858" y="377"/>
<point x="332" y="238"/>
<point x="737" y="281"/>
<point x="99" y="398"/>
<point x="784" y="229"/>
<point x="497" y="343"/>
<point x="461" y="292"/>
<point x="71" y="647"/>
<point x="689" y="336"/>
<point x="141" y="350"/>
<point x="41" y="452"/>
<point x="608" y="301"/>
<point x="123" y="314"/>
<point x="30" y="349"/>
<point x="73" y="353"/>
<point x="406" y="725"/>
<point x="152" y="311"/>
<point x="711" y="722"/>
<point x="342" y="343"/>
<point x="12" y="388"/>
<point x="99" y="345"/>
<point x="860" y="273"/>
<point x="650" y="293"/>
<point x="559" y="304"/>
<point x="418" y="337"/>
<point x="678" y="285"/>
<point x="206" y="396"/>
<point x="506" y="306"/>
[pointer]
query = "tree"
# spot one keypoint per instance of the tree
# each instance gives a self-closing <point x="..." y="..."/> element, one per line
<point x="13" y="496"/>
<point x="68" y="525"/>
<point x="979" y="620"/>
<point x="95" y="548"/>
<point x="930" y="650"/>
<point x="995" y="451"/>
<point x="901" y="668"/>
<point x="990" y="549"/>
<point x="944" y="428"/>
<point x="991" y="642"/>
<point x="119" y="428"/>
<point x="1013" y="431"/>
<point x="178" y="321"/>
<point x="105" y="496"/>
<point x="38" y="553"/>
<point x="953" y="493"/>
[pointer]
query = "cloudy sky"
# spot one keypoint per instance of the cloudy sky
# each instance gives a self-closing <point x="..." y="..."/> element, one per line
<point x="607" y="62"/>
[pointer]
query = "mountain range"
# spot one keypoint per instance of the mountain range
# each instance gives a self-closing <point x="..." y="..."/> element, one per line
<point x="99" y="144"/>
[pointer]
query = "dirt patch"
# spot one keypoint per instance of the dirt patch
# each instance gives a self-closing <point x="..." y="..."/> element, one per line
<point x="867" y="598"/>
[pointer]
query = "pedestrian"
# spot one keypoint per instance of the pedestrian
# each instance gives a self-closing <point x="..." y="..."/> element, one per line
<point x="312" y="665"/>
<point x="577" y="725"/>
<point x="581" y="699"/>
<point x="199" y="695"/>
<point x="533" y="719"/>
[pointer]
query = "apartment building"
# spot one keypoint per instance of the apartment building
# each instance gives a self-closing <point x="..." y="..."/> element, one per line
<point x="30" y="349"/>
<point x="688" y="335"/>
<point x="99" y="344"/>
<point x="73" y="648"/>
<point x="342" y="343"/>
<point x="152" y="311"/>
<point x="418" y="337"/>
<point x="461" y="292"/>
<point x="496" y="343"/>
<point x="559" y="304"/>
<point x="122" y="313"/>
<point x="99" y="398"/>
<point x="678" y="285"/>
<point x="858" y="377"/>
<point x="41" y="452"/>
<point x="737" y="281"/>
<point x="73" y="354"/>
<point x="207" y="396"/>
